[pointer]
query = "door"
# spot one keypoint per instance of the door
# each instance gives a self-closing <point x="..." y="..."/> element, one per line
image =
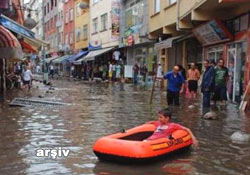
<point x="236" y="67"/>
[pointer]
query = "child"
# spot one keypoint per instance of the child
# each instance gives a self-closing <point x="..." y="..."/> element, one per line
<point x="164" y="127"/>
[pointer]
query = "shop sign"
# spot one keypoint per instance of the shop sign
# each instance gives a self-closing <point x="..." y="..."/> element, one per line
<point x="115" y="18"/>
<point x="17" y="28"/>
<point x="168" y="43"/>
<point x="212" y="32"/>
<point x="163" y="44"/>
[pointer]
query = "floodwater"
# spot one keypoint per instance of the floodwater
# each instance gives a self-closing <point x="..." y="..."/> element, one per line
<point x="100" y="109"/>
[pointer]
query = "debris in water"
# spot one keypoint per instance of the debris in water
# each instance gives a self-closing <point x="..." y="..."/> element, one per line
<point x="240" y="137"/>
<point x="210" y="116"/>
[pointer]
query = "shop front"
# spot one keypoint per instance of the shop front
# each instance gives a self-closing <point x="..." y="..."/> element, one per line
<point x="228" y="41"/>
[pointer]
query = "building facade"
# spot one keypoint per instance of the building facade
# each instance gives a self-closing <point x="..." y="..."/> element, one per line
<point x="36" y="13"/>
<point x="134" y="38"/>
<point x="52" y="16"/>
<point x="12" y="10"/>
<point x="69" y="26"/>
<point x="81" y="24"/>
<point x="191" y="31"/>
<point x="104" y="23"/>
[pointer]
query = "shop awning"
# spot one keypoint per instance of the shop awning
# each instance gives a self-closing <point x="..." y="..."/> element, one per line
<point x="10" y="47"/>
<point x="37" y="43"/>
<point x="27" y="48"/>
<point x="76" y="57"/>
<point x="60" y="59"/>
<point x="48" y="60"/>
<point x="28" y="35"/>
<point x="167" y="43"/>
<point x="92" y="54"/>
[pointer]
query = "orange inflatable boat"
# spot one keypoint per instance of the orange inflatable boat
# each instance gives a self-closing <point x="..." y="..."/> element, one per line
<point x="129" y="147"/>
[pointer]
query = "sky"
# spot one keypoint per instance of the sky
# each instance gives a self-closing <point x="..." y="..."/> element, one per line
<point x="26" y="1"/>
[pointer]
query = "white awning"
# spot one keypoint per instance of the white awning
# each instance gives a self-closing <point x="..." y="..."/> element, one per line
<point x="48" y="60"/>
<point x="92" y="54"/>
<point x="35" y="42"/>
<point x="166" y="43"/>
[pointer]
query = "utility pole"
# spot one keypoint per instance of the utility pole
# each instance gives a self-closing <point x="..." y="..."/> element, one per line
<point x="45" y="70"/>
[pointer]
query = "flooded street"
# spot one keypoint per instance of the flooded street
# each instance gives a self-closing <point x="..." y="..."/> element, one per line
<point x="100" y="109"/>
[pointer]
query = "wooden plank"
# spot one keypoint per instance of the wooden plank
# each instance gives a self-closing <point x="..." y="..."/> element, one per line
<point x="245" y="98"/>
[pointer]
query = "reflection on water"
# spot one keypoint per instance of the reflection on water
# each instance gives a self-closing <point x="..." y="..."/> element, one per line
<point x="102" y="109"/>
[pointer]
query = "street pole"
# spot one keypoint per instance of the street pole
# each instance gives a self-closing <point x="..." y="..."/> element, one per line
<point x="45" y="70"/>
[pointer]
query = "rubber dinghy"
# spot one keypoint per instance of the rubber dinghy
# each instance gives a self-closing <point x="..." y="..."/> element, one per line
<point x="129" y="147"/>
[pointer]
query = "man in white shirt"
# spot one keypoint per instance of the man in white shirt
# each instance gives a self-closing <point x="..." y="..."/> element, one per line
<point x="117" y="55"/>
<point x="51" y="68"/>
<point x="27" y="77"/>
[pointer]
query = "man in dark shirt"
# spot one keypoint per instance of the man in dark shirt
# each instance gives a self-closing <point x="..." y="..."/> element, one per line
<point x="136" y="71"/>
<point x="221" y="78"/>
<point x="175" y="86"/>
<point x="207" y="84"/>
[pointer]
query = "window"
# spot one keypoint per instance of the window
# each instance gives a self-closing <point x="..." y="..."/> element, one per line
<point x="44" y="9"/>
<point x="172" y="2"/>
<point x="78" y="35"/>
<point x="71" y="40"/>
<point x="215" y="53"/>
<point x="66" y="17"/>
<point x="157" y="6"/>
<point x="85" y="32"/>
<point x="48" y="7"/>
<point x="244" y="22"/>
<point x="51" y="23"/>
<point x="78" y="10"/>
<point x="40" y="31"/>
<point x="104" y="21"/>
<point x="52" y="4"/>
<point x="95" y="25"/>
<point x="237" y="25"/>
<point x="66" y="39"/>
<point x="71" y="14"/>
<point x="95" y="1"/>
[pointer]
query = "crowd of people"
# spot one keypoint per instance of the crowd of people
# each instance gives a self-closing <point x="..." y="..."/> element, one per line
<point x="213" y="83"/>
<point x="22" y="75"/>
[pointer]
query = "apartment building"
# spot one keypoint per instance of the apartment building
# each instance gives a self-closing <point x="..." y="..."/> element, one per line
<point x="69" y="26"/>
<point x="81" y="24"/>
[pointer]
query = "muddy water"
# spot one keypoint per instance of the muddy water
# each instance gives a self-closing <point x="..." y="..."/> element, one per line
<point x="101" y="109"/>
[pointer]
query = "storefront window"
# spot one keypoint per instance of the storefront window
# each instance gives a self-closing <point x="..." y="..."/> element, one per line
<point x="236" y="67"/>
<point x="215" y="53"/>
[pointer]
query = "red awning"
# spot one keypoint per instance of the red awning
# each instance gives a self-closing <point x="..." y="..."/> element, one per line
<point x="10" y="47"/>
<point x="27" y="47"/>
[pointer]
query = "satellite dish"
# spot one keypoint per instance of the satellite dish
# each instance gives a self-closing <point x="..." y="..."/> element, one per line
<point x="83" y="5"/>
<point x="30" y="23"/>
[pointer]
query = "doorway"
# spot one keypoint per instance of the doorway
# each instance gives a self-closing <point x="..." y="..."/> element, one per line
<point x="236" y="57"/>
